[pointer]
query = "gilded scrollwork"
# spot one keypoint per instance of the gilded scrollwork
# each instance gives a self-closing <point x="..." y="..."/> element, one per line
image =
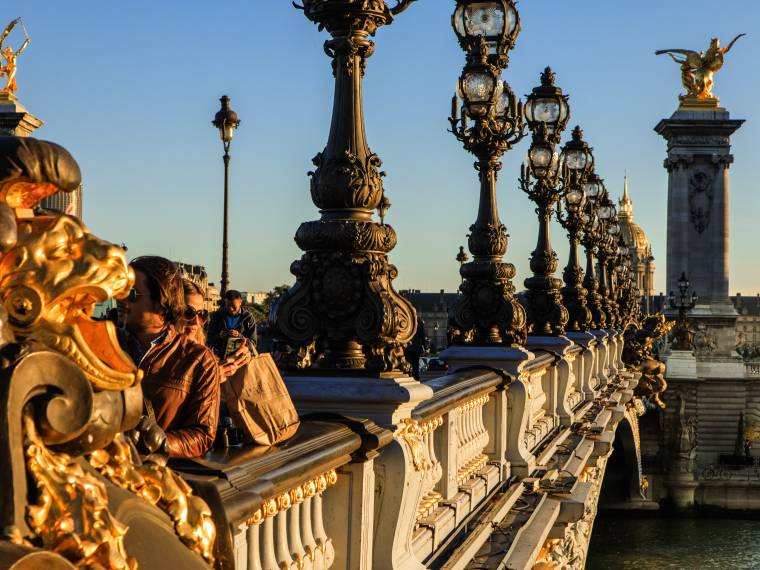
<point x="160" y="486"/>
<point x="71" y="515"/>
<point x="410" y="432"/>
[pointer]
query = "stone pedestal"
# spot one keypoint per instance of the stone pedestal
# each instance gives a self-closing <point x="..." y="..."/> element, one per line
<point x="681" y="487"/>
<point x="15" y="120"/>
<point x="398" y="470"/>
<point x="511" y="360"/>
<point x="681" y="364"/>
<point x="699" y="157"/>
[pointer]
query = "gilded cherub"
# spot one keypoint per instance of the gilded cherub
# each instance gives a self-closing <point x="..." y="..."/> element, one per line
<point x="9" y="69"/>
<point x="698" y="68"/>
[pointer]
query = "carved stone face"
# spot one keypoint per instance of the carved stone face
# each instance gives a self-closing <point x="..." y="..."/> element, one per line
<point x="49" y="283"/>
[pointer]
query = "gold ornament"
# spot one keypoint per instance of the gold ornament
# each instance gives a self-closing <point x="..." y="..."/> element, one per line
<point x="71" y="516"/>
<point x="160" y="486"/>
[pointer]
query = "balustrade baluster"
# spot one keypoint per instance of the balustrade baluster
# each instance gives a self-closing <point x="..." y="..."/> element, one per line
<point x="254" y="547"/>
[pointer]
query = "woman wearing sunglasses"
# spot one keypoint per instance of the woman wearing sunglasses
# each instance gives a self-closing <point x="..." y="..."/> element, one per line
<point x="181" y="377"/>
<point x="194" y="321"/>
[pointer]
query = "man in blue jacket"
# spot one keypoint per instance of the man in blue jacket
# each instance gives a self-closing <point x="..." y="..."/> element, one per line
<point x="231" y="321"/>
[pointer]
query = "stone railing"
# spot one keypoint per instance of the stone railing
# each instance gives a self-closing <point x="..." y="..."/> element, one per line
<point x="509" y="439"/>
<point x="291" y="506"/>
<point x="462" y="472"/>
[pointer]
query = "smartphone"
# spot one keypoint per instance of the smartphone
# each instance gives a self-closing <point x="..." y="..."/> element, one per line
<point x="232" y="346"/>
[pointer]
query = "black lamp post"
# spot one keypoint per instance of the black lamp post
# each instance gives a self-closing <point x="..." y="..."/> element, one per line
<point x="547" y="112"/>
<point x="593" y="189"/>
<point x="226" y="121"/>
<point x="579" y="165"/>
<point x="462" y="256"/>
<point x="682" y="336"/>
<point x="343" y="314"/>
<point x="628" y="296"/>
<point x="606" y="252"/>
<point x="487" y="118"/>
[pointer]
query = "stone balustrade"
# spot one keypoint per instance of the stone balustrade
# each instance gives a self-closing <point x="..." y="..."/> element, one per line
<point x="509" y="439"/>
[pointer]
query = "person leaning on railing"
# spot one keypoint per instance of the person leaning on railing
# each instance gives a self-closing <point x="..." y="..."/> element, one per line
<point x="181" y="382"/>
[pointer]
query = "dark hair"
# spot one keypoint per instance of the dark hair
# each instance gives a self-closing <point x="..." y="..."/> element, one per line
<point x="164" y="283"/>
<point x="231" y="295"/>
<point x="191" y="288"/>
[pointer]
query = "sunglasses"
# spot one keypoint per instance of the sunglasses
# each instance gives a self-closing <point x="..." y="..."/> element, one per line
<point x="190" y="314"/>
<point x="133" y="295"/>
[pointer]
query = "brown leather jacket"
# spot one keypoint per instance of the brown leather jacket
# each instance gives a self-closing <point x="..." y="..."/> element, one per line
<point x="182" y="383"/>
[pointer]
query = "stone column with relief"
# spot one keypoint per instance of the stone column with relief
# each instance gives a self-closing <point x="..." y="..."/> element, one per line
<point x="698" y="161"/>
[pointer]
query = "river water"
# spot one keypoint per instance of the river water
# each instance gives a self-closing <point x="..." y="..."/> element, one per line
<point x="623" y="541"/>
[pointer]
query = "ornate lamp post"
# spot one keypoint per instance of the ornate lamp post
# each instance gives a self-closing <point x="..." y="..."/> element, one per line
<point x="343" y="313"/>
<point x="487" y="118"/>
<point x="579" y="165"/>
<point x="683" y="338"/>
<point x="462" y="256"/>
<point x="593" y="189"/>
<point x="547" y="112"/>
<point x="629" y="301"/>
<point x="226" y="121"/>
<point x="606" y="250"/>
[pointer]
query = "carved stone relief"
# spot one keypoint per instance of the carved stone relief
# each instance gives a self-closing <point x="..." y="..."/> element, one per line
<point x="700" y="199"/>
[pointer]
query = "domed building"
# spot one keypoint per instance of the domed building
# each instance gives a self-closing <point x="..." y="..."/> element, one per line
<point x="642" y="261"/>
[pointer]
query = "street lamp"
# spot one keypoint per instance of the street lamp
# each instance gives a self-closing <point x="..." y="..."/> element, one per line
<point x="496" y="21"/>
<point x="343" y="314"/>
<point x="487" y="118"/>
<point x="683" y="337"/>
<point x="579" y="163"/>
<point x="547" y="112"/>
<point x="628" y="296"/>
<point x="606" y="252"/>
<point x="226" y="121"/>
<point x="590" y="240"/>
<point x="546" y="106"/>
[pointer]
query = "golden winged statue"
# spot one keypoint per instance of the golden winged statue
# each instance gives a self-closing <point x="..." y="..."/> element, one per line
<point x="8" y="68"/>
<point x="698" y="68"/>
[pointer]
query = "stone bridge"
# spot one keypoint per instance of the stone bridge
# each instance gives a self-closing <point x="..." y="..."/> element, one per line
<point x="498" y="464"/>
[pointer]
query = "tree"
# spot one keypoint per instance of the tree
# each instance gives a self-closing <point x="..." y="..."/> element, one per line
<point x="273" y="295"/>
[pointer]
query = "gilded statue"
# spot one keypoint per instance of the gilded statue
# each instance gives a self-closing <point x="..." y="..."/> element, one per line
<point x="638" y="354"/>
<point x="71" y="481"/>
<point x="8" y="69"/>
<point x="698" y="67"/>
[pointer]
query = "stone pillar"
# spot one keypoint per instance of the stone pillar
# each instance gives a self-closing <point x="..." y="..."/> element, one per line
<point x="699" y="144"/>
<point x="15" y="120"/>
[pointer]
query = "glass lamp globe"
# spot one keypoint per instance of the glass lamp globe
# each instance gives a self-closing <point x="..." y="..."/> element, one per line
<point x="547" y="106"/>
<point x="543" y="160"/>
<point x="508" y="108"/>
<point x="496" y="21"/>
<point x="226" y="120"/>
<point x="575" y="198"/>
<point x="591" y="189"/>
<point x="478" y="88"/>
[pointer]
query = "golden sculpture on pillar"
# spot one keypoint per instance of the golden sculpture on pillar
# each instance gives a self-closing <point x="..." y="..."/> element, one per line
<point x="8" y="68"/>
<point x="697" y="70"/>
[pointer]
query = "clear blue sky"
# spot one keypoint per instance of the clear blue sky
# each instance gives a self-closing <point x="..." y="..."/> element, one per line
<point x="130" y="89"/>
